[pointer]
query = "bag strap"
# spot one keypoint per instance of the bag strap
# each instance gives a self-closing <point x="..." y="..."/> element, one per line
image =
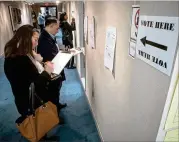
<point x="33" y="94"/>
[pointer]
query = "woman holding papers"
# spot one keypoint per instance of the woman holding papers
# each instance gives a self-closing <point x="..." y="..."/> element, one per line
<point x="21" y="69"/>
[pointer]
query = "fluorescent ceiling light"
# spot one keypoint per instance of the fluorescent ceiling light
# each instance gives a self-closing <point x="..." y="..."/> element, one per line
<point x="57" y="2"/>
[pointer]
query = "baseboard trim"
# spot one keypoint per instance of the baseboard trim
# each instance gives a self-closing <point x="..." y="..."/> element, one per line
<point x="95" y="120"/>
<point x="92" y="112"/>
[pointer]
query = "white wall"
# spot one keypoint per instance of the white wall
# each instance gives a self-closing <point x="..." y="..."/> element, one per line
<point x="127" y="105"/>
<point x="5" y="28"/>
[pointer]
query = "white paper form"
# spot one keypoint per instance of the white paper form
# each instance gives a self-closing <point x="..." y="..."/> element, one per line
<point x="61" y="59"/>
<point x="110" y="48"/>
<point x="86" y="27"/>
<point x="92" y="33"/>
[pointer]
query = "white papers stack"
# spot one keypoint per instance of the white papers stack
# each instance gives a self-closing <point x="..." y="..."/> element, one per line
<point x="61" y="59"/>
<point x="76" y="51"/>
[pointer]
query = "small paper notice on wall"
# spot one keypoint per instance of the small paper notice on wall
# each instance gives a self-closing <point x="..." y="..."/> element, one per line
<point x="110" y="48"/>
<point x="92" y="32"/>
<point x="132" y="49"/>
<point x="86" y="28"/>
<point x="134" y="30"/>
<point x="135" y="22"/>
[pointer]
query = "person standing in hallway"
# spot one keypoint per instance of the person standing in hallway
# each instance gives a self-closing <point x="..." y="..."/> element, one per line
<point x="47" y="15"/>
<point x="73" y="24"/>
<point x="21" y="71"/>
<point x="48" y="49"/>
<point x="34" y="19"/>
<point x="41" y="21"/>
<point x="67" y="36"/>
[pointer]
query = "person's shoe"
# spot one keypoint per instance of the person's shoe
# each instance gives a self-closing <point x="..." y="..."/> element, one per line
<point x="43" y="138"/>
<point x="61" y="121"/>
<point x="66" y="66"/>
<point x="73" y="67"/>
<point x="52" y="139"/>
<point x="62" y="105"/>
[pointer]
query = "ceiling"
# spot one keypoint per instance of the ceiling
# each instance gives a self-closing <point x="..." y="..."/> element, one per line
<point x="41" y="1"/>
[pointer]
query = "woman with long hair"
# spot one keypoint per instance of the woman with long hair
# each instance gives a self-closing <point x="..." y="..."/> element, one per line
<point x="21" y="69"/>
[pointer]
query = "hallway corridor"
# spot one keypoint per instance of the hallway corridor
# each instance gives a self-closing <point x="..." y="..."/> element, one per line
<point x="79" y="124"/>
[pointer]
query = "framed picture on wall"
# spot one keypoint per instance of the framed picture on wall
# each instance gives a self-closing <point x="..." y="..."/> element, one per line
<point x="12" y="17"/>
<point x="18" y="12"/>
<point x="15" y="16"/>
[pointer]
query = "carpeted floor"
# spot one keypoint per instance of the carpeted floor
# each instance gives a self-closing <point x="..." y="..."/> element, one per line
<point x="79" y="124"/>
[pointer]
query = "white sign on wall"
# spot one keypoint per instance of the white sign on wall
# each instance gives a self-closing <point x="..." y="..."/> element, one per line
<point x="91" y="32"/>
<point x="110" y="48"/>
<point x="135" y="21"/>
<point x="132" y="49"/>
<point x="157" y="41"/>
<point x="86" y="27"/>
<point x="134" y="29"/>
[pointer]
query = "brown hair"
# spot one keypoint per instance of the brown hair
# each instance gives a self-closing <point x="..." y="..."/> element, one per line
<point x="21" y="42"/>
<point x="50" y="20"/>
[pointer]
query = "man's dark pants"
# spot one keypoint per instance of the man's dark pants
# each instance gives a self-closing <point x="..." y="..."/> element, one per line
<point x="54" y="92"/>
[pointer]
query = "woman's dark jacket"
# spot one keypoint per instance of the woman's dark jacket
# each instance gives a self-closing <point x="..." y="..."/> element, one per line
<point x="21" y="72"/>
<point x="67" y="33"/>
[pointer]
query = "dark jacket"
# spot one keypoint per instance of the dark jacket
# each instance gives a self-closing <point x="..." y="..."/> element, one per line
<point x="73" y="25"/>
<point x="47" y="16"/>
<point x="21" y="72"/>
<point x="67" y="34"/>
<point x="47" y="48"/>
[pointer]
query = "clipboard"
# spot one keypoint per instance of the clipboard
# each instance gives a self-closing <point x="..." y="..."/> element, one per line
<point x="62" y="58"/>
<point x="60" y="61"/>
<point x="69" y="52"/>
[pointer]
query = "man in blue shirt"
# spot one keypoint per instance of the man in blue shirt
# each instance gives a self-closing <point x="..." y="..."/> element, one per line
<point x="59" y="36"/>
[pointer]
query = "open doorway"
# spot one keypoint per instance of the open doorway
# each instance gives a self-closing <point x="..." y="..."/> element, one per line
<point x="49" y="10"/>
